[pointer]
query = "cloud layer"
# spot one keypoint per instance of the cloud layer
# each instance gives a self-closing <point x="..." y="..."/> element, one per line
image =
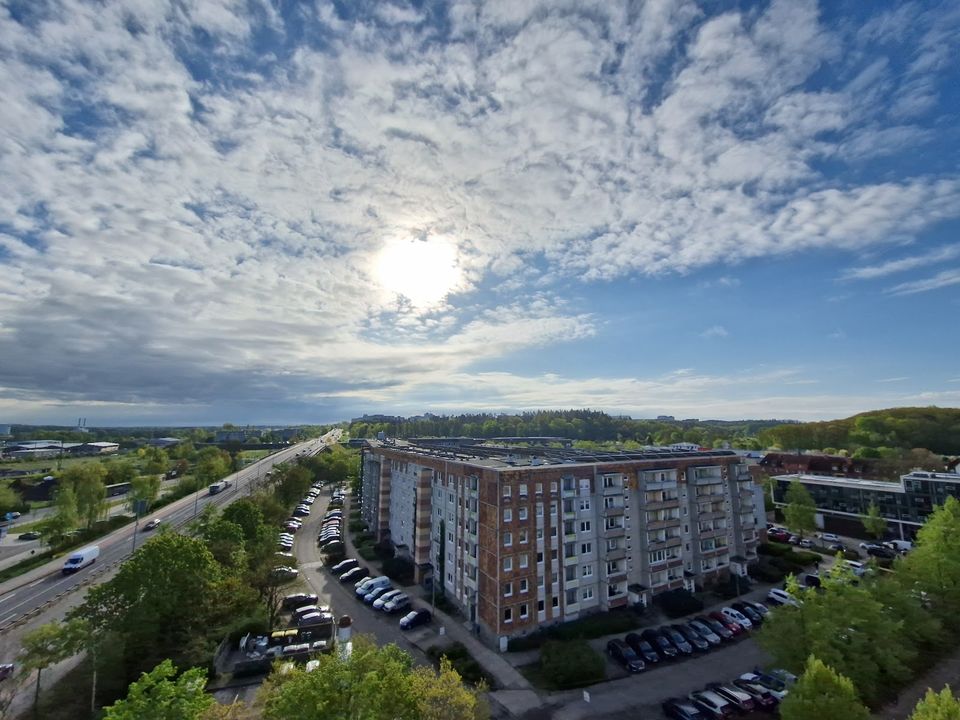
<point x="194" y="197"/>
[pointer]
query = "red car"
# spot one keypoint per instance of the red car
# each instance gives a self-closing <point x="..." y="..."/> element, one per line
<point x="733" y="627"/>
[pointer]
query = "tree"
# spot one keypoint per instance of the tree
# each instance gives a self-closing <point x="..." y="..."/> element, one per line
<point x="824" y="694"/>
<point x="937" y="706"/>
<point x="144" y="488"/>
<point x="49" y="644"/>
<point x="157" y="461"/>
<point x="158" y="695"/>
<point x="800" y="512"/>
<point x="873" y="522"/>
<point x="373" y="683"/>
<point x="120" y="471"/>
<point x="847" y="627"/>
<point x="933" y="566"/>
<point x="87" y="482"/>
<point x="65" y="517"/>
<point x="212" y="465"/>
<point x="169" y="600"/>
<point x="9" y="499"/>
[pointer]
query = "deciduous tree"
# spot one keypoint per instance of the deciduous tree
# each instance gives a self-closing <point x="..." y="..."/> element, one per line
<point x="160" y="695"/>
<point x="87" y="482"/>
<point x="822" y="694"/>
<point x="873" y="522"/>
<point x="933" y="566"/>
<point x="144" y="488"/>
<point x="937" y="706"/>
<point x="48" y="645"/>
<point x="800" y="512"/>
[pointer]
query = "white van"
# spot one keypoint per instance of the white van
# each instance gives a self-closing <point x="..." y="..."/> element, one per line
<point x="81" y="559"/>
<point x="900" y="546"/>
<point x="782" y="597"/>
<point x="859" y="569"/>
<point x="371" y="585"/>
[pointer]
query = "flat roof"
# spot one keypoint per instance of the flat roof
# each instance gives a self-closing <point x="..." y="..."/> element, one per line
<point x="501" y="457"/>
<point x="861" y="483"/>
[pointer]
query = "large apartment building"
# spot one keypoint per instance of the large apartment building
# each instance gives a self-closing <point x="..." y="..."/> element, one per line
<point x="522" y="537"/>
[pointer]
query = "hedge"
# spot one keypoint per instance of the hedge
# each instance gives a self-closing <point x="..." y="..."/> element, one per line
<point x="462" y="661"/>
<point x="571" y="664"/>
<point x="679" y="602"/>
<point x="586" y="628"/>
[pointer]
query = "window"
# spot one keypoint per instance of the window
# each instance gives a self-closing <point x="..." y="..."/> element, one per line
<point x="658" y="556"/>
<point x="570" y="573"/>
<point x="507" y="589"/>
<point x="524" y="560"/>
<point x="572" y="597"/>
<point x="568" y="527"/>
<point x="585" y="526"/>
<point x="523" y="537"/>
<point x="507" y="490"/>
<point x="507" y="515"/>
<point x="553" y="554"/>
<point x="553" y="508"/>
<point x="586" y="548"/>
<point x="584" y="503"/>
<point x="541" y="581"/>
<point x="539" y="557"/>
<point x="613" y="543"/>
<point x="508" y="615"/>
<point x="523" y="490"/>
<point x="539" y="533"/>
<point x="523" y="585"/>
<point x="553" y="531"/>
<point x="609" y="502"/>
<point x="508" y="563"/>
<point x="541" y="606"/>
<point x="539" y="488"/>
<point x="507" y="539"/>
<point x="569" y="549"/>
<point x="524" y="611"/>
<point x="587" y="594"/>
<point x="523" y="513"/>
<point x="539" y="509"/>
<point x="553" y="486"/>
<point x="554" y="578"/>
<point x="555" y="601"/>
<point x="586" y="571"/>
<point x="613" y="567"/>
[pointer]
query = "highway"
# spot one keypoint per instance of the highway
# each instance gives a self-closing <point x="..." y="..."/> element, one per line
<point x="23" y="596"/>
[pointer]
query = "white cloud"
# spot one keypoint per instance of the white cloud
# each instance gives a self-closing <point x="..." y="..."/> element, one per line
<point x="893" y="379"/>
<point x="715" y="331"/>
<point x="891" y="267"/>
<point x="942" y="279"/>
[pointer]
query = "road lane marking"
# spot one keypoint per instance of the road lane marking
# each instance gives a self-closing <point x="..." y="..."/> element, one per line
<point x="7" y="597"/>
<point x="36" y="582"/>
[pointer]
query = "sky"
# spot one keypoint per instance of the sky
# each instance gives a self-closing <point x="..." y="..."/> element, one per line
<point x="291" y="212"/>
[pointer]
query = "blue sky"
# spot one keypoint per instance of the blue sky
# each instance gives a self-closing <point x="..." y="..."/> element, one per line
<point x="267" y="212"/>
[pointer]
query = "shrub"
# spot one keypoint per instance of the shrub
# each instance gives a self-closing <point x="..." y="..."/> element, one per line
<point x="399" y="569"/>
<point x="773" y="548"/>
<point x="679" y="602"/>
<point x="367" y="551"/>
<point x="571" y="664"/>
<point x="805" y="558"/>
<point x="728" y="588"/>
<point x="462" y="661"/>
<point x="334" y="553"/>
<point x="255" y="623"/>
<point x="364" y="537"/>
<point x="586" y="628"/>
<point x="357" y="526"/>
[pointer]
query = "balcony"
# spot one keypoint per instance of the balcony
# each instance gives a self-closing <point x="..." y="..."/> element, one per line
<point x="571" y="560"/>
<point x="613" y="490"/>
<point x="620" y="572"/>
<point x="663" y="524"/>
<point x="569" y="492"/>
<point x="715" y="533"/>
<point x="708" y="480"/>
<point x="661" y="504"/>
<point x="712" y="515"/>
<point x="664" y="485"/>
<point x="571" y="515"/>
<point x="570" y="537"/>
<point x="613" y="511"/>
<point x="618" y="554"/>
<point x="710" y="497"/>
<point x="665" y="543"/>
<point x="614" y="532"/>
<point x="744" y="475"/>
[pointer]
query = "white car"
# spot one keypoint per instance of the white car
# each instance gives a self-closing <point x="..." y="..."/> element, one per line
<point x="398" y="602"/>
<point x="152" y="524"/>
<point x="737" y="617"/>
<point x="806" y="543"/>
<point x="830" y="538"/>
<point x="385" y="598"/>
<point x="782" y="597"/>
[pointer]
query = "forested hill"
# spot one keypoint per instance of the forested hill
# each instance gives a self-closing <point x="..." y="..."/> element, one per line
<point x="874" y="434"/>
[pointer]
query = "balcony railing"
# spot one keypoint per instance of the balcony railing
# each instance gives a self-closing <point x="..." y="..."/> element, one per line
<point x="613" y="490"/>
<point x="613" y="511"/>
<point x="614" y="532"/>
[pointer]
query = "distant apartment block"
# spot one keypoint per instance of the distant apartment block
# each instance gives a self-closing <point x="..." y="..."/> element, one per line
<point x="522" y="537"/>
<point x="841" y="501"/>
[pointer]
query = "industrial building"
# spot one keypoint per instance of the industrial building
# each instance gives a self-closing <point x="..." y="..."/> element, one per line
<point x="521" y="537"/>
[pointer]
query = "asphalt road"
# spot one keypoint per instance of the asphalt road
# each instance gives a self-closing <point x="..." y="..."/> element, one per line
<point x="20" y="596"/>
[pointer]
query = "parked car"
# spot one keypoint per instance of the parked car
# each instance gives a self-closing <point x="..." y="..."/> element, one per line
<point x="642" y="648"/>
<point x="658" y="641"/>
<point x="754" y="617"/>
<point x="705" y="632"/>
<point x="376" y="592"/>
<point x="882" y="552"/>
<point x="778" y="535"/>
<point x="397" y="603"/>
<point x="151" y="524"/>
<point x="812" y="580"/>
<point x="759" y="607"/>
<point x="32" y="535"/>
<point x="368" y="584"/>
<point x="782" y="597"/>
<point x="774" y="686"/>
<point x="624" y="654"/>
<point x="718" y="626"/>
<point x="786" y="676"/>
<point x="681" y="709"/>
<point x="712" y="705"/>
<point x="837" y="547"/>
<point x="385" y="597"/>
<point x="301" y="512"/>
<point x="740" y="700"/>
<point x="284" y="573"/>
<point x="353" y="575"/>
<point x="829" y="538"/>
<point x="285" y="557"/>
<point x="415" y="618"/>
<point x="763" y="699"/>
<point x="806" y="543"/>
<point x="692" y="637"/>
<point x="344" y="565"/>
<point x="737" y="617"/>
<point x="732" y="625"/>
<point x="678" y="640"/>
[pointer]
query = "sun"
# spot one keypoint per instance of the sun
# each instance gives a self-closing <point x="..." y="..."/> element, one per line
<point x="422" y="271"/>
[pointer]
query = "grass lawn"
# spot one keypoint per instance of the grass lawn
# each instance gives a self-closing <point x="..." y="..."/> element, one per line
<point x="250" y="456"/>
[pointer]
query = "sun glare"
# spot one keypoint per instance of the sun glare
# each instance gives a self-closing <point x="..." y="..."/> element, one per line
<point x="422" y="271"/>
